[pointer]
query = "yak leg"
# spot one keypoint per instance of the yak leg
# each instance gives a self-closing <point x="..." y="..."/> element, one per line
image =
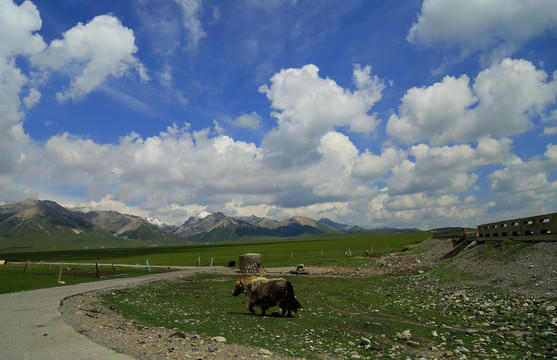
<point x="250" y="307"/>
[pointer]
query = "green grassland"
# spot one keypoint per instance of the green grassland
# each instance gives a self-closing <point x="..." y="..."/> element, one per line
<point x="443" y="319"/>
<point x="446" y="316"/>
<point x="316" y="251"/>
<point x="19" y="277"/>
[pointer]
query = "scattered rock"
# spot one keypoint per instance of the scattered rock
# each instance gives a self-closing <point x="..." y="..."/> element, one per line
<point x="264" y="352"/>
<point x="365" y="342"/>
<point x="405" y="335"/>
<point x="219" y="339"/>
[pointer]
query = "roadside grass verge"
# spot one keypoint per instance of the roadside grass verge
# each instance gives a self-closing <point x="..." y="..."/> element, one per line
<point x="37" y="276"/>
<point x="444" y="320"/>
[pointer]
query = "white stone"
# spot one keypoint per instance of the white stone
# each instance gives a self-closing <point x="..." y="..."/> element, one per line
<point x="219" y="339"/>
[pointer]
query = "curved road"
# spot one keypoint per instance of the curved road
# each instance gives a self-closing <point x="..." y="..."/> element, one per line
<point x="31" y="325"/>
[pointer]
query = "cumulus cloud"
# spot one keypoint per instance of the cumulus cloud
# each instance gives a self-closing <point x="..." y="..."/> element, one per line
<point x="370" y="167"/>
<point x="12" y="134"/>
<point x="421" y="208"/>
<point x="527" y="184"/>
<point x="334" y="168"/>
<point x="18" y="25"/>
<point x="308" y="106"/>
<point x="499" y="27"/>
<point x="447" y="169"/>
<point x="501" y="102"/>
<point x="250" y="121"/>
<point x="166" y="165"/>
<point x="90" y="53"/>
<point x="111" y="204"/>
<point x="32" y="99"/>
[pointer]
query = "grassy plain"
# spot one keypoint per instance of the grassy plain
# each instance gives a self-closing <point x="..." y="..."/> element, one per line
<point x="322" y="250"/>
<point x="314" y="251"/>
<point x="19" y="277"/>
<point x="445" y="320"/>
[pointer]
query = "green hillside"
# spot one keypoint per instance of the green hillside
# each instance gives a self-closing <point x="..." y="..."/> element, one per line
<point x="40" y="234"/>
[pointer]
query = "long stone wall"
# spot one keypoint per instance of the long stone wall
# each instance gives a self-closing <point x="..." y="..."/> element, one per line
<point x="452" y="234"/>
<point x="541" y="227"/>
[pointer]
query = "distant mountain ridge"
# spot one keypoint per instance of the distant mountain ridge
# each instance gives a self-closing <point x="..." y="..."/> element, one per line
<point x="31" y="218"/>
<point x="342" y="227"/>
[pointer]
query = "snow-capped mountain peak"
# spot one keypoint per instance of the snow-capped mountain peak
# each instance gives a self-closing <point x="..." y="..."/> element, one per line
<point x="203" y="214"/>
<point x="155" y="221"/>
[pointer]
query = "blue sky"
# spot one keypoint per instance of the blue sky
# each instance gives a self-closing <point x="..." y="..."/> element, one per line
<point x="377" y="113"/>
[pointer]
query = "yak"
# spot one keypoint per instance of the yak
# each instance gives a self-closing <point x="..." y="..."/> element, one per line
<point x="267" y="293"/>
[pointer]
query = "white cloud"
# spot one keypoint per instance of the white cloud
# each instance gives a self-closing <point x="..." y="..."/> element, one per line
<point x="447" y="169"/>
<point x="423" y="211"/>
<point x="12" y="135"/>
<point x="370" y="167"/>
<point x="190" y="12"/>
<point x="434" y="111"/>
<point x="17" y="27"/>
<point x="501" y="102"/>
<point x="90" y="53"/>
<point x="32" y="99"/>
<point x="331" y="176"/>
<point x="527" y="184"/>
<point x="551" y="153"/>
<point x="250" y="121"/>
<point x="308" y="106"/>
<point x="109" y="203"/>
<point x="497" y="26"/>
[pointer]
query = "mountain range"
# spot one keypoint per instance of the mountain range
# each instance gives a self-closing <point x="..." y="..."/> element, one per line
<point x="33" y="223"/>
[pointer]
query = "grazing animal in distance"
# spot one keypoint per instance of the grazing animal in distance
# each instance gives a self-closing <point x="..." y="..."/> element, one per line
<point x="267" y="293"/>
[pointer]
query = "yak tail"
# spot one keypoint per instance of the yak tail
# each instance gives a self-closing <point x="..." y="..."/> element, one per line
<point x="290" y="302"/>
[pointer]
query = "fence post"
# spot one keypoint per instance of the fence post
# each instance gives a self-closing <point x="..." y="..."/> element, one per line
<point x="60" y="274"/>
<point x="148" y="267"/>
<point x="97" y="266"/>
<point x="25" y="268"/>
<point x="199" y="261"/>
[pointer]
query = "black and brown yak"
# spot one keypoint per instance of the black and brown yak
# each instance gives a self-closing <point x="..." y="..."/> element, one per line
<point x="267" y="293"/>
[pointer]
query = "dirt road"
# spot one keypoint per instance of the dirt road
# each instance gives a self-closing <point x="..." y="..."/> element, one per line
<point x="31" y="326"/>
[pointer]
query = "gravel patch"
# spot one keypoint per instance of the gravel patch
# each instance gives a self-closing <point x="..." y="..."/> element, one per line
<point x="532" y="272"/>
